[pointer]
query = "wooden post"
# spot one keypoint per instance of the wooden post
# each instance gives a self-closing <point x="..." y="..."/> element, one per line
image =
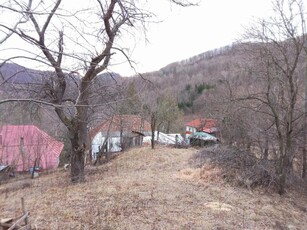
<point x="24" y="210"/>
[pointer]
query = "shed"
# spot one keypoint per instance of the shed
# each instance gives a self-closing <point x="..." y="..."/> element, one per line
<point x="22" y="146"/>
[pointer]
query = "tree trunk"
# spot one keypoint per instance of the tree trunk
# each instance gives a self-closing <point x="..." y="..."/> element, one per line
<point x="79" y="139"/>
<point x="285" y="163"/>
<point x="79" y="134"/>
<point x="153" y="127"/>
<point x="266" y="148"/>
<point x="121" y="138"/>
<point x="304" y="152"/>
<point x="77" y="160"/>
<point x="152" y="138"/>
<point x="168" y="127"/>
<point x="282" y="174"/>
<point x="90" y="156"/>
<point x="282" y="183"/>
<point x="304" y="162"/>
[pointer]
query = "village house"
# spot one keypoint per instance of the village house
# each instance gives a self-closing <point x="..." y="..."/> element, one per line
<point x="118" y="133"/>
<point x="201" y="125"/>
<point x="201" y="132"/>
<point x="23" y="146"/>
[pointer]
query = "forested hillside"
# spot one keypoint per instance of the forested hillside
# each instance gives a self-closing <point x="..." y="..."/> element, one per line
<point x="189" y="80"/>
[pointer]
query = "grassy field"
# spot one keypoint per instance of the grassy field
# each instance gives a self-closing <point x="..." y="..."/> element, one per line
<point x="150" y="189"/>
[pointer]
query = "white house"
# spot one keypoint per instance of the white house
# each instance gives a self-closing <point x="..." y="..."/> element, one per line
<point x="118" y="133"/>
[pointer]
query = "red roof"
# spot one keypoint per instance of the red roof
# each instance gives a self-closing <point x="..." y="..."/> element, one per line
<point x="206" y="125"/>
<point x="20" y="145"/>
<point x="125" y="123"/>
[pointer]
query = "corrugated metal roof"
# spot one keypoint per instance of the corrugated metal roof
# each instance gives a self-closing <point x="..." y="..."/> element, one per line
<point x="206" y="125"/>
<point x="125" y="123"/>
<point x="22" y="144"/>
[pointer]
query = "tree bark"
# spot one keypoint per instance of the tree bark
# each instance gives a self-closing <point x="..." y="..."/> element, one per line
<point x="304" y="162"/>
<point x="77" y="159"/>
<point x="266" y="148"/>
<point x="153" y="127"/>
<point x="304" y="152"/>
<point x="285" y="161"/>
<point x="168" y="127"/>
<point x="282" y="176"/>
<point x="79" y="134"/>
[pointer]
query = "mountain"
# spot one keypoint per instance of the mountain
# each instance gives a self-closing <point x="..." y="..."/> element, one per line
<point x="17" y="74"/>
<point x="202" y="64"/>
<point x="190" y="80"/>
<point x="14" y="73"/>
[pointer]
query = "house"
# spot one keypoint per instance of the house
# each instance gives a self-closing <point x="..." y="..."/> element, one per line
<point x="118" y="133"/>
<point x="201" y="125"/>
<point x="22" y="146"/>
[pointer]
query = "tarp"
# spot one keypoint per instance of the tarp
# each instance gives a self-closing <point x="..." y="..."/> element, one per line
<point x="203" y="136"/>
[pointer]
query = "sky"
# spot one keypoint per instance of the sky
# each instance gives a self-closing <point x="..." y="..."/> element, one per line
<point x="189" y="31"/>
<point x="178" y="33"/>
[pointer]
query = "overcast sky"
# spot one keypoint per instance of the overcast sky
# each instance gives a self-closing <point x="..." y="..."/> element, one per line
<point x="181" y="33"/>
<point x="185" y="32"/>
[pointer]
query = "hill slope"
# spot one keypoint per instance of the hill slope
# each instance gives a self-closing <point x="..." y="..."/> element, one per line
<point x="148" y="189"/>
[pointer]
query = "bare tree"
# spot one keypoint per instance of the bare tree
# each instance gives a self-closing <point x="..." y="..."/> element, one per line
<point x="276" y="52"/>
<point x="150" y="112"/>
<point x="160" y="110"/>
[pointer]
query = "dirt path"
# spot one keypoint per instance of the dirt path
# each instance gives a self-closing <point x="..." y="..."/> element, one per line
<point x="148" y="189"/>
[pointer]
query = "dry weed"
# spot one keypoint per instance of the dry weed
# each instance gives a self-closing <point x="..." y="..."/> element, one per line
<point x="150" y="189"/>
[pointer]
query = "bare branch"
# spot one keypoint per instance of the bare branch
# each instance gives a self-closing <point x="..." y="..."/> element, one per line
<point x="50" y="16"/>
<point x="184" y="3"/>
<point x="60" y="44"/>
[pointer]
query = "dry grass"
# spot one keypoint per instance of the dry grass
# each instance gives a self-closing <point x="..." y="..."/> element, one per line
<point x="150" y="189"/>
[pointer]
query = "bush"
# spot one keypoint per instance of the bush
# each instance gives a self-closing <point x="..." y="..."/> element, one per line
<point x="237" y="167"/>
